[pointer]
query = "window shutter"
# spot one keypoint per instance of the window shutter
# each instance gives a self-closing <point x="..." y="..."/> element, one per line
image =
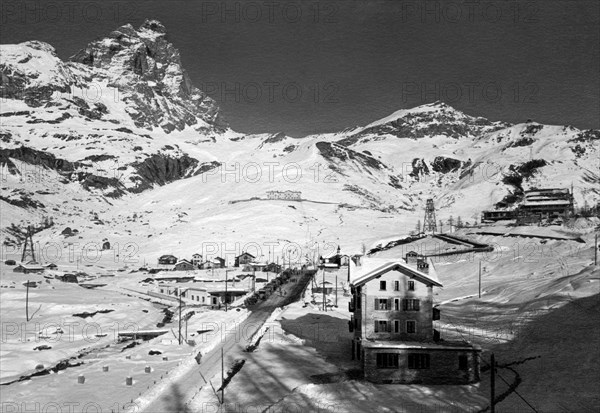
<point x="376" y="304"/>
<point x="404" y="304"/>
<point x="389" y="327"/>
<point x="376" y="326"/>
<point x="389" y="304"/>
<point x="416" y="304"/>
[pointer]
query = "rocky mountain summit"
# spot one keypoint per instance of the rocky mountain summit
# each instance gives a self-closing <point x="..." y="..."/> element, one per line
<point x="121" y="126"/>
<point x="147" y="69"/>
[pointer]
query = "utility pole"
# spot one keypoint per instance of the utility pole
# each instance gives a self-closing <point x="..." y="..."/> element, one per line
<point x="348" y="269"/>
<point x="479" y="278"/>
<point x="323" y="286"/>
<point x="222" y="378"/>
<point x="253" y="280"/>
<point x="493" y="384"/>
<point x="179" y="294"/>
<point x="226" y="271"/>
<point x="336" y="290"/>
<point x="596" y="250"/>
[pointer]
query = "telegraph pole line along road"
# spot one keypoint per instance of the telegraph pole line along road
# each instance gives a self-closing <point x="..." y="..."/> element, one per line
<point x="232" y="345"/>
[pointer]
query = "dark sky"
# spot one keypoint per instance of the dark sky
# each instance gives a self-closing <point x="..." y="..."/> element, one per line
<point x="304" y="67"/>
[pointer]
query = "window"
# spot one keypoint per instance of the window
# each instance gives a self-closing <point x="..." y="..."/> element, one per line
<point x="396" y="285"/>
<point x="396" y="326"/>
<point x="382" y="285"/>
<point x="381" y="304"/>
<point x="382" y="326"/>
<point x="463" y="362"/>
<point x="396" y="304"/>
<point x="411" y="286"/>
<point x="418" y="361"/>
<point x="409" y="304"/>
<point x="202" y="299"/>
<point x="411" y="326"/>
<point x="387" y="360"/>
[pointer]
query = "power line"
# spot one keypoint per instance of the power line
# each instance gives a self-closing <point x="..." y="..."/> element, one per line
<point x="498" y="374"/>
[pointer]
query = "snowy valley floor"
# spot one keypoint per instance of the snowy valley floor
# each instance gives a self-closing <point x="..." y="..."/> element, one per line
<point x="538" y="314"/>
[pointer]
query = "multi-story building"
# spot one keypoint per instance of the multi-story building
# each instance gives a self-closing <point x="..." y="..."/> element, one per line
<point x="392" y="321"/>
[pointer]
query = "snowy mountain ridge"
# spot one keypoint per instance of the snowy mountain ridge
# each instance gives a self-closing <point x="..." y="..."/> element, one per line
<point x="121" y="129"/>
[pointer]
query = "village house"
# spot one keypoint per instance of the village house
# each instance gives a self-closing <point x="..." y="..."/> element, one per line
<point x="191" y="295"/>
<point x="392" y="321"/>
<point x="219" y="297"/>
<point x="167" y="260"/>
<point x="197" y="260"/>
<point x="243" y="259"/>
<point x="217" y="262"/>
<point x="183" y="265"/>
<point x="29" y="267"/>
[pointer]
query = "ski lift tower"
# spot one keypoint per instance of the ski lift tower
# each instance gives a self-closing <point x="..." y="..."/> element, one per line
<point x="429" y="225"/>
<point x="28" y="248"/>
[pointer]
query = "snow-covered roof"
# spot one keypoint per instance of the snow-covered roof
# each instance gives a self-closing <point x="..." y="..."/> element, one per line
<point x="376" y="267"/>
<point x="245" y="253"/>
<point x="547" y="202"/>
<point x="447" y="345"/>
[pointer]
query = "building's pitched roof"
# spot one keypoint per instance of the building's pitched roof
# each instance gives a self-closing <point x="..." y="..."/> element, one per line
<point x="245" y="253"/>
<point x="167" y="256"/>
<point x="380" y="266"/>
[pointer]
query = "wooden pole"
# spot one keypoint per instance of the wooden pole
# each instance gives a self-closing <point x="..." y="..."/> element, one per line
<point x="336" y="290"/>
<point x="226" y="290"/>
<point x="222" y="378"/>
<point x="179" y="294"/>
<point x="493" y="384"/>
<point x="596" y="249"/>
<point x="323" y="286"/>
<point x="27" y="302"/>
<point x="348" y="269"/>
<point x="479" y="278"/>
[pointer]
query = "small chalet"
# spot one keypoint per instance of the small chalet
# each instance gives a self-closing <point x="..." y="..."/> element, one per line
<point x="191" y="295"/>
<point x="197" y="260"/>
<point x="29" y="267"/>
<point x="183" y="265"/>
<point x="243" y="259"/>
<point x="167" y="260"/>
<point x="220" y="297"/>
<point x="219" y="262"/>
<point x="392" y="321"/>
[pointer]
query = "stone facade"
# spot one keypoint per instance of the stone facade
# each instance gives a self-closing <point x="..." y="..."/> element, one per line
<point x="431" y="364"/>
<point x="394" y="334"/>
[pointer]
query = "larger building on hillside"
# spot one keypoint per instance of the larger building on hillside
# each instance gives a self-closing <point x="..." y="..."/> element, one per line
<point x="547" y="202"/>
<point x="392" y="321"/>
<point x="537" y="204"/>
<point x="285" y="195"/>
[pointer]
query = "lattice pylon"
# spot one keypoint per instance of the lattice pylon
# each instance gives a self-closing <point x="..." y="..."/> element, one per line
<point x="28" y="248"/>
<point x="429" y="223"/>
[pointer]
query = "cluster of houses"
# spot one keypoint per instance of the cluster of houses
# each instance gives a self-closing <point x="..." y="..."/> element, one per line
<point x="245" y="260"/>
<point x="171" y="262"/>
<point x="392" y="321"/>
